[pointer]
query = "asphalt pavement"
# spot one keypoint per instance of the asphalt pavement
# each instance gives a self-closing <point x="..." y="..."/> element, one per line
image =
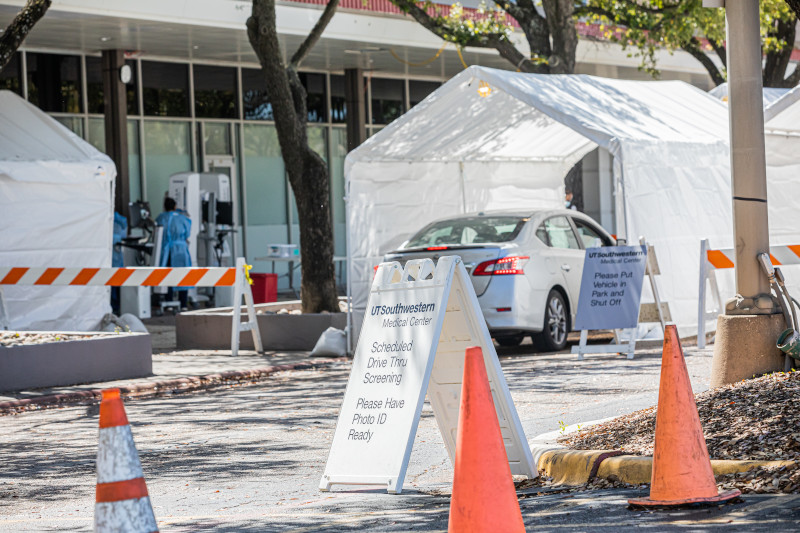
<point x="250" y="457"/>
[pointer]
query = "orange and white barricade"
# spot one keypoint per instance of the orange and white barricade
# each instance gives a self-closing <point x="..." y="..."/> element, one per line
<point x="236" y="277"/>
<point x="713" y="260"/>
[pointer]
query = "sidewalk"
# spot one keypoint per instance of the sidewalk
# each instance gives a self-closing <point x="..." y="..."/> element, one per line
<point x="173" y="371"/>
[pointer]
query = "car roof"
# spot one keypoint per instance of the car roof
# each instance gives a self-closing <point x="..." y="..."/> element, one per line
<point x="537" y="212"/>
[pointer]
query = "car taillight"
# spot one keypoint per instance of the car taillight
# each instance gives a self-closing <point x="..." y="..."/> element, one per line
<point x="436" y="248"/>
<point x="502" y="267"/>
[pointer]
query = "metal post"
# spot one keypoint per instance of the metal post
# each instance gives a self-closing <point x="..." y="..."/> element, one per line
<point x="116" y="125"/>
<point x="748" y="162"/>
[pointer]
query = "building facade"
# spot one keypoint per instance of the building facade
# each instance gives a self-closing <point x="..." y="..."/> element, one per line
<point x="196" y="100"/>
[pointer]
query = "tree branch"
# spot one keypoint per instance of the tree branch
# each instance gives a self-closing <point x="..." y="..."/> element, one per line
<point x="23" y="23"/>
<point x="722" y="52"/>
<point x="795" y="5"/>
<point x="315" y="34"/>
<point x="498" y="41"/>
<point x="289" y="122"/>
<point x="693" y="48"/>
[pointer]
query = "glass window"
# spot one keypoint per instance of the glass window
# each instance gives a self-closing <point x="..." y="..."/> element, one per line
<point x="94" y="86"/>
<point x="418" y="90"/>
<point x="315" y="95"/>
<point x="387" y="100"/>
<point x="11" y="75"/>
<point x="560" y="234"/>
<point x="215" y="92"/>
<point x="97" y="138"/>
<point x="338" y="100"/>
<point x="590" y="236"/>
<point x="167" y="145"/>
<point x="254" y="96"/>
<point x="469" y="230"/>
<point x="134" y="161"/>
<point x="265" y="178"/>
<point x="75" y="124"/>
<point x="217" y="138"/>
<point x="336" y="170"/>
<point x="54" y="82"/>
<point x="541" y="234"/>
<point x="166" y="89"/>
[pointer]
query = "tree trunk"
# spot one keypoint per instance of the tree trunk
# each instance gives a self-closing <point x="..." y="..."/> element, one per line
<point x="776" y="62"/>
<point x="308" y="173"/>
<point x="318" y="292"/>
<point x="19" y="28"/>
<point x="563" y="33"/>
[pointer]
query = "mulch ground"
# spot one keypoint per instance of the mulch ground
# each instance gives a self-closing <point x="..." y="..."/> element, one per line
<point x="755" y="419"/>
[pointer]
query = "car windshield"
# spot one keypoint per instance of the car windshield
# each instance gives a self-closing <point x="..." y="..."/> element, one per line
<point x="468" y="231"/>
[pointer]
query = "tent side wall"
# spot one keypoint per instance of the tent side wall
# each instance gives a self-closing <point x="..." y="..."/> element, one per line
<point x="783" y="197"/>
<point x="675" y="196"/>
<point x="389" y="201"/>
<point x="57" y="224"/>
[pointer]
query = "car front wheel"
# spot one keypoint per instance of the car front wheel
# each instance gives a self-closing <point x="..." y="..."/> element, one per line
<point x="556" y="323"/>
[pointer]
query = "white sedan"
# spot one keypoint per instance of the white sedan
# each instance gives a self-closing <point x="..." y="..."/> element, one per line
<point x="526" y="267"/>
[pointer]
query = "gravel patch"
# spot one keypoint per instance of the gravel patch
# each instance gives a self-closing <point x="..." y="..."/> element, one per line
<point x="21" y="338"/>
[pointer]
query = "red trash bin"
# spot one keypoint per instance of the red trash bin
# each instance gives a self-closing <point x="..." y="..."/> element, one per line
<point x="265" y="287"/>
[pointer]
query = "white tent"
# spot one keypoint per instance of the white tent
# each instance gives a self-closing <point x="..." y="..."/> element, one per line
<point x="782" y="136"/>
<point x="490" y="139"/>
<point x="769" y="94"/>
<point x="56" y="210"/>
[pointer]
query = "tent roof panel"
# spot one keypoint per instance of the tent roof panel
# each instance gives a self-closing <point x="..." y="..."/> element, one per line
<point x="535" y="116"/>
<point x="783" y="115"/>
<point x="29" y="134"/>
<point x="769" y="95"/>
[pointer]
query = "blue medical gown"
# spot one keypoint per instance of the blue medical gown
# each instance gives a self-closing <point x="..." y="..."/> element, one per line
<point x="174" y="248"/>
<point x="120" y="231"/>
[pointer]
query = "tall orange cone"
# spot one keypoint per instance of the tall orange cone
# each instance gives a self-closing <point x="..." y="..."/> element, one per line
<point x="484" y="498"/>
<point x="682" y="472"/>
<point x="122" y="500"/>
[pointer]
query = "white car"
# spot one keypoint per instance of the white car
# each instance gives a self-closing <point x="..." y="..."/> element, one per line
<point x="526" y="267"/>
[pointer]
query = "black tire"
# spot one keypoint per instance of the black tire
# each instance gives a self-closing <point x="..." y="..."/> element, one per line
<point x="553" y="337"/>
<point x="509" y="340"/>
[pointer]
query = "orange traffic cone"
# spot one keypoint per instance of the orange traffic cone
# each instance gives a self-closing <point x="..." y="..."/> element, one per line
<point x="484" y="499"/>
<point x="122" y="500"/>
<point x="682" y="472"/>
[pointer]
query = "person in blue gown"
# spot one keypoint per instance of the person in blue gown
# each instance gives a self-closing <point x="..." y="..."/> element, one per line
<point x="174" y="243"/>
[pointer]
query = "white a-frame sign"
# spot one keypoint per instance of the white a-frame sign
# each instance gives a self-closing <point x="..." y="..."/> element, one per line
<point x="418" y="324"/>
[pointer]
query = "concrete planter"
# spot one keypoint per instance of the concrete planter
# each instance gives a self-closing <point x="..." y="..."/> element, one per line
<point x="101" y="358"/>
<point x="210" y="329"/>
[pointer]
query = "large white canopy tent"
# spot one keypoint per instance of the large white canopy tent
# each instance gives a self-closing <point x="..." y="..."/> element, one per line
<point x="782" y="137"/>
<point x="56" y="210"/>
<point x="491" y="139"/>
<point x="769" y="94"/>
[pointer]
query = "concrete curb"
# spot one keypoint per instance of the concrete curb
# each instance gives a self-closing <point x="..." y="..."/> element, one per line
<point x="156" y="388"/>
<point x="578" y="467"/>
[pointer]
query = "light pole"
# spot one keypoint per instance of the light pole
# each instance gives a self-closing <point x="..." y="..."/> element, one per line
<point x="747" y="332"/>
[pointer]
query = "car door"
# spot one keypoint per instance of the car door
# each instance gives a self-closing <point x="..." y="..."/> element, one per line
<point x="566" y="255"/>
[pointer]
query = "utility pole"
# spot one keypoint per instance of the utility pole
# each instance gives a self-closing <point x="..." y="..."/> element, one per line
<point x="747" y="332"/>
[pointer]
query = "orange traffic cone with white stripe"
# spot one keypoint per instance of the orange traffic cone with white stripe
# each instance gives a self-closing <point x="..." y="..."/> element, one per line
<point x="484" y="498"/>
<point x="682" y="473"/>
<point x="122" y="500"/>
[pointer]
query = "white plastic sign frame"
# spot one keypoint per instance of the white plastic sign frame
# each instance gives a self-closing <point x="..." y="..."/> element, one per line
<point x="419" y="322"/>
<point x="610" y="296"/>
